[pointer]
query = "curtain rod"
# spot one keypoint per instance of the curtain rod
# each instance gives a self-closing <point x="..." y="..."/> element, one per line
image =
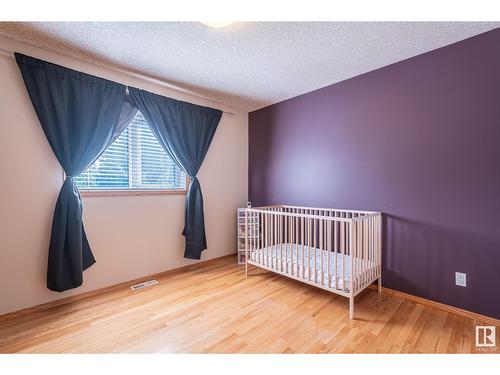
<point x="136" y="75"/>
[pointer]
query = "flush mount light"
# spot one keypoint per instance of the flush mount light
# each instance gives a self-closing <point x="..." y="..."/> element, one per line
<point x="217" y="24"/>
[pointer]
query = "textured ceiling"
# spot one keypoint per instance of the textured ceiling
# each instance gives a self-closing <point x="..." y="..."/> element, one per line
<point x="249" y="64"/>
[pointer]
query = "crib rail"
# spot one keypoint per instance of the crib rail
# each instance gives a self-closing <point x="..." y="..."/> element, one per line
<point x="334" y="249"/>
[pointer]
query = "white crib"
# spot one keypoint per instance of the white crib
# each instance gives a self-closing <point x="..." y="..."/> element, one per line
<point x="336" y="250"/>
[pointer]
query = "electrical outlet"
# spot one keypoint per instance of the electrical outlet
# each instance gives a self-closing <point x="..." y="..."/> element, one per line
<point x="461" y="279"/>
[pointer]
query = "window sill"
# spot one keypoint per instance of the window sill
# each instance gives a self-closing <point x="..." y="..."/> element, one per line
<point x="131" y="192"/>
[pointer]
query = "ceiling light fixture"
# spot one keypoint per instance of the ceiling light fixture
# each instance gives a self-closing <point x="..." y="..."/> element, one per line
<point x="217" y="24"/>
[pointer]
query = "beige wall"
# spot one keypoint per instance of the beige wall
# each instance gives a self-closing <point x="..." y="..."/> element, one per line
<point x="130" y="236"/>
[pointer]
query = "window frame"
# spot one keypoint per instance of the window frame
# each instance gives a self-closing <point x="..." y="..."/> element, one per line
<point x="131" y="192"/>
<point x="92" y="192"/>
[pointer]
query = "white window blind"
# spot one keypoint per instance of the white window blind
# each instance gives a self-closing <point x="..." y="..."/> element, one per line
<point x="135" y="160"/>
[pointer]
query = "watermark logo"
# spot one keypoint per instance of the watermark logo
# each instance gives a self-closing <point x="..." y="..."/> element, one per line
<point x="485" y="337"/>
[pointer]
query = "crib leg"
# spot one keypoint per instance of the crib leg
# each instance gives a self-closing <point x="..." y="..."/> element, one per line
<point x="351" y="307"/>
<point x="246" y="269"/>
<point x="380" y="285"/>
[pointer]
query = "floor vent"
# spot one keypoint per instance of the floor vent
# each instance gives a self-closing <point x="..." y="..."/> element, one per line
<point x="144" y="285"/>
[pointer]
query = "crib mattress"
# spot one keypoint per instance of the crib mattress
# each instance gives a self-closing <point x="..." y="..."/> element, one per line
<point x="315" y="263"/>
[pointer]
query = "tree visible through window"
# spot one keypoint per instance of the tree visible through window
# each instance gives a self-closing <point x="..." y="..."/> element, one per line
<point x="135" y="160"/>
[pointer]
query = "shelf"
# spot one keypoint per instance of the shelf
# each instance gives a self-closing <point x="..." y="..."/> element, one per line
<point x="253" y="225"/>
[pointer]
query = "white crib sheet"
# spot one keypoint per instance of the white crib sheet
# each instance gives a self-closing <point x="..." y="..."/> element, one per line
<point x="292" y="256"/>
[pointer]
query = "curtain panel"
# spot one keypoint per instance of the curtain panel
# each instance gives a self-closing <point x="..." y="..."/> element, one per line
<point x="185" y="131"/>
<point x="79" y="114"/>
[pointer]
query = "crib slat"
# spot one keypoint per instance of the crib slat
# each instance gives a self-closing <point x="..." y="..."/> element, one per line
<point x="325" y="249"/>
<point x="321" y="250"/>
<point x="289" y="260"/>
<point x="328" y="250"/>
<point x="352" y="259"/>
<point x="263" y="242"/>
<point x="363" y="255"/>
<point x="260" y="241"/>
<point x="343" y="249"/>
<point x="293" y="239"/>
<point x="374" y="261"/>
<point x="274" y="229"/>
<point x="267" y="240"/>
<point x="284" y="241"/>
<point x="361" y="250"/>
<point x="271" y="238"/>
<point x="335" y="252"/>
<point x="379" y="251"/>
<point x="366" y="256"/>
<point x="296" y="244"/>
<point x="268" y="246"/>
<point x="331" y="244"/>
<point x="288" y="236"/>
<point x="302" y="241"/>
<point x="371" y="247"/>
<point x="367" y="252"/>
<point x="315" y="246"/>
<point x="283" y="222"/>
<point x="375" y="245"/>
<point x="257" y="244"/>
<point x="314" y="230"/>
<point x="370" y="250"/>
<point x="347" y="246"/>
<point x="358" y="258"/>
<point x="279" y="240"/>
<point x="344" y="253"/>
<point x="352" y="255"/>
<point x="264" y="239"/>
<point x="376" y="252"/>
<point x="308" y="248"/>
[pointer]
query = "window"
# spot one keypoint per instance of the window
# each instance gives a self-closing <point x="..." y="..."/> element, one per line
<point x="134" y="161"/>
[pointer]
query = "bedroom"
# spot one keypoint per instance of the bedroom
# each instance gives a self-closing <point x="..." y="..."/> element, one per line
<point x="252" y="187"/>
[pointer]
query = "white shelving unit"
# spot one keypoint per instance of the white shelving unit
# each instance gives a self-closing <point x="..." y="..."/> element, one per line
<point x="253" y="231"/>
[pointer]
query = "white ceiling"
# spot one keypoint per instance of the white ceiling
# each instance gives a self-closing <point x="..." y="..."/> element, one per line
<point x="250" y="64"/>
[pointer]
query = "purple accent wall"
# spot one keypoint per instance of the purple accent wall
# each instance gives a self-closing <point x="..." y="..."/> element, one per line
<point x="418" y="140"/>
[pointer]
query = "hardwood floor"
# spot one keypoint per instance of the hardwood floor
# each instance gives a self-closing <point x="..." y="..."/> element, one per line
<point x="214" y="309"/>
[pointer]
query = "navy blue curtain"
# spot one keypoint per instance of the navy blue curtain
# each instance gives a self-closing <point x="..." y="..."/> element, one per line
<point x="185" y="130"/>
<point x="79" y="115"/>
